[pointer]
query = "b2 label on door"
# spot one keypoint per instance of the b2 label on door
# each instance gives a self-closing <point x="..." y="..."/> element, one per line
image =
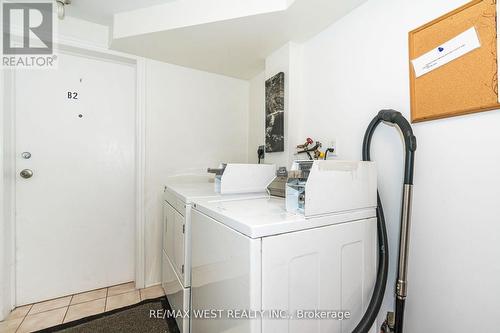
<point x="72" y="95"/>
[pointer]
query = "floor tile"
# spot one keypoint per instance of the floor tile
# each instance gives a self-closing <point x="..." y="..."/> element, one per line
<point x="121" y="289"/>
<point x="50" y="305"/>
<point x="86" y="309"/>
<point x="89" y="296"/>
<point x="39" y="321"/>
<point x="19" y="312"/>
<point x="152" y="292"/>
<point x="122" y="300"/>
<point x="10" y="325"/>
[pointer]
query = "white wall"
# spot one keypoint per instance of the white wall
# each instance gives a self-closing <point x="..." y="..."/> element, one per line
<point x="194" y="120"/>
<point x="287" y="59"/>
<point x="359" y="66"/>
<point x="83" y="32"/>
<point x="256" y="119"/>
<point x="73" y="30"/>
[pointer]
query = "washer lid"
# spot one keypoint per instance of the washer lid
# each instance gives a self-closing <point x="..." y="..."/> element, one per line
<point x="261" y="217"/>
<point x="187" y="191"/>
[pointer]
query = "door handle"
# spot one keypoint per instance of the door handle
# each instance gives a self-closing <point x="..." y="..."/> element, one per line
<point x="26" y="173"/>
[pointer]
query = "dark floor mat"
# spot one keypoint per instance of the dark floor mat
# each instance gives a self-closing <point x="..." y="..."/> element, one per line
<point x="132" y="319"/>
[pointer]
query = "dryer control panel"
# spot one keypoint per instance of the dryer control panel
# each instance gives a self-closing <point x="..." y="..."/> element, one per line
<point x="322" y="187"/>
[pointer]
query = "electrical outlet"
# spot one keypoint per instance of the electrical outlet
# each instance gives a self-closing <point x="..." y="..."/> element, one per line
<point x="333" y="144"/>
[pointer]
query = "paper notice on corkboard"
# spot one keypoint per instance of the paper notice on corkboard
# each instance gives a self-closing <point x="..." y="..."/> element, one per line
<point x="453" y="49"/>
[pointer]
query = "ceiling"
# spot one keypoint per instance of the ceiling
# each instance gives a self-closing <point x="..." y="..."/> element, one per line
<point x="228" y="37"/>
<point x="102" y="11"/>
<point x="235" y="45"/>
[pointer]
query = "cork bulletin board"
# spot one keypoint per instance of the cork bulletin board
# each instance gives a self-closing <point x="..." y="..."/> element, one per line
<point x="466" y="84"/>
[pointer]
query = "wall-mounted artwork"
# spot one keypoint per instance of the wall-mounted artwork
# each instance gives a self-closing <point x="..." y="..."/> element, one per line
<point x="275" y="113"/>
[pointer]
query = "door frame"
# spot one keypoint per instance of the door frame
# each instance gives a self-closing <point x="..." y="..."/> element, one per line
<point x="83" y="49"/>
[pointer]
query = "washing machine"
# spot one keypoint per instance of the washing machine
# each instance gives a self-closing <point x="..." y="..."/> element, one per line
<point x="276" y="265"/>
<point x="179" y="193"/>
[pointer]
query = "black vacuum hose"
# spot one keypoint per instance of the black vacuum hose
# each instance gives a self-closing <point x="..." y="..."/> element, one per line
<point x="383" y="265"/>
<point x="399" y="315"/>
<point x="377" y="298"/>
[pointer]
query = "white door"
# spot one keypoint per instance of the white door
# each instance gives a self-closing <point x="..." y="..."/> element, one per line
<point x="75" y="215"/>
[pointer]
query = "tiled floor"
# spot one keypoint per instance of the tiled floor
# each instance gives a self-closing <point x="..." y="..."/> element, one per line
<point x="46" y="314"/>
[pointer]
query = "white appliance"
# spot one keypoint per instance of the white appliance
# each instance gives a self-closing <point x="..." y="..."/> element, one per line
<point x="179" y="194"/>
<point x="251" y="255"/>
<point x="243" y="178"/>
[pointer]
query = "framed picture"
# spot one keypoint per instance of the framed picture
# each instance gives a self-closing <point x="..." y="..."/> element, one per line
<point x="275" y="113"/>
